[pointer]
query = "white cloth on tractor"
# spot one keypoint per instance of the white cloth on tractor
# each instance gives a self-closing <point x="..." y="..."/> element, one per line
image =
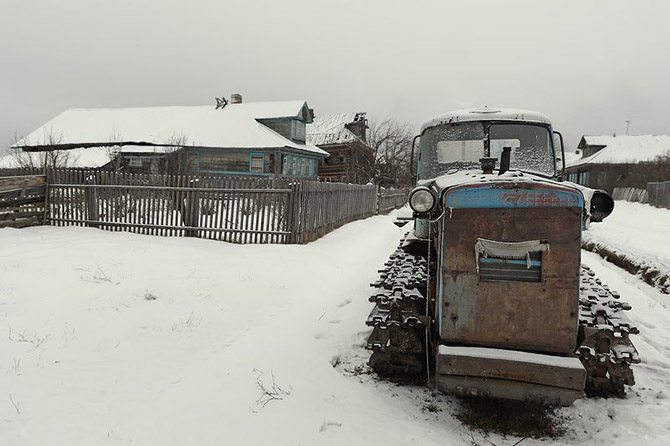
<point x="509" y="250"/>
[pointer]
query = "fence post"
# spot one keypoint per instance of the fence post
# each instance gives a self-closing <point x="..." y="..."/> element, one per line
<point x="290" y="208"/>
<point x="192" y="211"/>
<point x="47" y="191"/>
<point x="91" y="197"/>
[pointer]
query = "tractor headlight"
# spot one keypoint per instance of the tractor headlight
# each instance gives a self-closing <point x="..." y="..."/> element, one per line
<point x="421" y="200"/>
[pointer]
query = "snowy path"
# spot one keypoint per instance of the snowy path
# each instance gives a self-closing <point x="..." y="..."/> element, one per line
<point x="115" y="338"/>
<point x="637" y="231"/>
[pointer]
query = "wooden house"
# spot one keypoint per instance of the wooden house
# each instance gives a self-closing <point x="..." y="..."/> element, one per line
<point x="607" y="162"/>
<point x="344" y="137"/>
<point x="252" y="139"/>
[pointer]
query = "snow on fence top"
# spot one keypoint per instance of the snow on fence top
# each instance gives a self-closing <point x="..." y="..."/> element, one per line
<point x="235" y="126"/>
<point x="626" y="149"/>
<point x="331" y="129"/>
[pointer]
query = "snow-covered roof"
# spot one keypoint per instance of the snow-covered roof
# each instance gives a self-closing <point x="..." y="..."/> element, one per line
<point x="571" y="157"/>
<point x="331" y="129"/>
<point x="92" y="157"/>
<point x="487" y="114"/>
<point x="625" y="149"/>
<point x="235" y="126"/>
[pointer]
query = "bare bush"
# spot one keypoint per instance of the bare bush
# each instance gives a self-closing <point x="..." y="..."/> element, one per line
<point x="48" y="156"/>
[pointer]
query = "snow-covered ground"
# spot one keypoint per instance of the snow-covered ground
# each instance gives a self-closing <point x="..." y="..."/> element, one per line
<point x="115" y="338"/>
<point x="637" y="231"/>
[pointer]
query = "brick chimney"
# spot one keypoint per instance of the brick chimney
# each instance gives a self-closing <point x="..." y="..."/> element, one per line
<point x="235" y="98"/>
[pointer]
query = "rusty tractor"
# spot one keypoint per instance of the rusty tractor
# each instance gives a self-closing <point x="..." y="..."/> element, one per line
<point x="485" y="296"/>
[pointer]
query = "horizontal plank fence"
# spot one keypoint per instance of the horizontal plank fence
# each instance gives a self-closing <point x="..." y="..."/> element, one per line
<point x="22" y="201"/>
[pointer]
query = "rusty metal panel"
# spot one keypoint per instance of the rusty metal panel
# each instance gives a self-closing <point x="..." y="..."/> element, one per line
<point x="532" y="316"/>
<point x="469" y="386"/>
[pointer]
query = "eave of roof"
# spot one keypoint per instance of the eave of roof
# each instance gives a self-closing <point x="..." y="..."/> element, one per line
<point x="203" y="126"/>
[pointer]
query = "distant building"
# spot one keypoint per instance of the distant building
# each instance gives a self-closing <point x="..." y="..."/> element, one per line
<point x="254" y="139"/>
<point x="344" y="137"/>
<point x="620" y="161"/>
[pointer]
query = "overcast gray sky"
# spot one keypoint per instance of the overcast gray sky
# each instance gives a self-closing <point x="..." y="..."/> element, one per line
<point x="588" y="64"/>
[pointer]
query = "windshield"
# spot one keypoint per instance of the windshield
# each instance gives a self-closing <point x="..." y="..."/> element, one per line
<point x="458" y="146"/>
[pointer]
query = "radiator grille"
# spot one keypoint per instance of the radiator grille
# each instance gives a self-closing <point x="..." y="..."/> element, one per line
<point x="493" y="269"/>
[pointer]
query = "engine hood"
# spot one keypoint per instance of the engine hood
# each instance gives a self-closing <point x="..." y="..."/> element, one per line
<point x="597" y="204"/>
<point x="476" y="177"/>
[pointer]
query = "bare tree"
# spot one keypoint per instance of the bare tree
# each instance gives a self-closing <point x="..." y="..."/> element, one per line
<point x="392" y="143"/>
<point x="49" y="155"/>
<point x="175" y="157"/>
<point x="114" y="150"/>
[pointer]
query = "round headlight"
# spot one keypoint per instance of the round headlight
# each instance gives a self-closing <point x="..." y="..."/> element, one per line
<point x="421" y="200"/>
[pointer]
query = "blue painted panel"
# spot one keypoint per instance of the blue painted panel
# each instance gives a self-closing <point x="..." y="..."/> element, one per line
<point x="511" y="261"/>
<point x="489" y="197"/>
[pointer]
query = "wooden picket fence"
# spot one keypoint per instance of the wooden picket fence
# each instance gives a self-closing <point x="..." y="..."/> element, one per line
<point x="239" y="210"/>
<point x="22" y="201"/>
<point x="315" y="208"/>
<point x="659" y="194"/>
<point x="390" y="199"/>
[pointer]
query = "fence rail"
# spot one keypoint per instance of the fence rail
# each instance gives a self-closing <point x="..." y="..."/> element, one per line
<point x="239" y="210"/>
<point x="22" y="201"/>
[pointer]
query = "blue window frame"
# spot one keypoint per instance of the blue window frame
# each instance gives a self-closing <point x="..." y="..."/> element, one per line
<point x="256" y="162"/>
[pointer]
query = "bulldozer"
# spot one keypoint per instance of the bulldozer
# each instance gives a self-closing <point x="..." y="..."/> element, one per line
<point x="486" y="295"/>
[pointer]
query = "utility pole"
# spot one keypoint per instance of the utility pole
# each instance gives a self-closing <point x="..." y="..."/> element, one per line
<point x="627" y="121"/>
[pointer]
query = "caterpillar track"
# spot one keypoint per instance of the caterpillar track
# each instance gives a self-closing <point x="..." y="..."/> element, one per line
<point x="605" y="348"/>
<point x="398" y="338"/>
<point x="400" y="318"/>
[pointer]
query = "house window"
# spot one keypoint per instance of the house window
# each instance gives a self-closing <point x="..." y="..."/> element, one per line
<point x="256" y="163"/>
<point x="284" y="169"/>
<point x="311" y="168"/>
<point x="583" y="177"/>
<point x="303" y="167"/>
<point x="294" y="165"/>
<point x="297" y="130"/>
<point x="135" y="162"/>
<point x="224" y="161"/>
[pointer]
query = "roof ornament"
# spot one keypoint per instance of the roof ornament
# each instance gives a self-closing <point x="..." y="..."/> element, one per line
<point x="221" y="102"/>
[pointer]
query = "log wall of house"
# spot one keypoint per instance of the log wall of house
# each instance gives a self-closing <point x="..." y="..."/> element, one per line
<point x="609" y="176"/>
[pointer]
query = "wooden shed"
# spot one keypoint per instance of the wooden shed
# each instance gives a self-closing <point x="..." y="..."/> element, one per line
<point x="344" y="137"/>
